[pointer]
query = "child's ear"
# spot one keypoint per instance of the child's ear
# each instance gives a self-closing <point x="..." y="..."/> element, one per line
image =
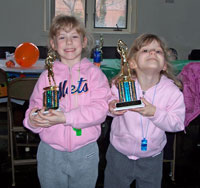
<point x="84" y="42"/>
<point x="165" y="67"/>
<point x="52" y="44"/>
<point x="132" y="64"/>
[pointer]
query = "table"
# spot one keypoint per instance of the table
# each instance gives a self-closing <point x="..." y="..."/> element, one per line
<point x="110" y="67"/>
<point x="17" y="71"/>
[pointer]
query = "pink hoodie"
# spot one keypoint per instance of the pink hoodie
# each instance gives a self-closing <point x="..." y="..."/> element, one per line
<point x="84" y="93"/>
<point x="191" y="90"/>
<point x="126" y="130"/>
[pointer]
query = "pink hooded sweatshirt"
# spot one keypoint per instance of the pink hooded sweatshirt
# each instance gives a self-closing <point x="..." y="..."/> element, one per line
<point x="84" y="93"/>
<point x="126" y="130"/>
<point x="191" y="90"/>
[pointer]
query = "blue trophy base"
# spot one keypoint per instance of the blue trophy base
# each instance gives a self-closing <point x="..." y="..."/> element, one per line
<point x="129" y="105"/>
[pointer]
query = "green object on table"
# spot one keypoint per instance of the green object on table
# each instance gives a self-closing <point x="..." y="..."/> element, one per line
<point x="179" y="64"/>
<point x="78" y="131"/>
<point x="110" y="67"/>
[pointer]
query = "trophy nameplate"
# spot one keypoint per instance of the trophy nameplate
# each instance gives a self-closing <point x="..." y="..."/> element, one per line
<point x="125" y="83"/>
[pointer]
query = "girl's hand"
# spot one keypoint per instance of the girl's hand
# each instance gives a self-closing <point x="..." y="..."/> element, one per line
<point x="148" y="110"/>
<point x="49" y="119"/>
<point x="34" y="118"/>
<point x="112" y="106"/>
<point x="53" y="117"/>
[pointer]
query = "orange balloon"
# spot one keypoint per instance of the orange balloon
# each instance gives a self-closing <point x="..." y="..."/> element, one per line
<point x="26" y="54"/>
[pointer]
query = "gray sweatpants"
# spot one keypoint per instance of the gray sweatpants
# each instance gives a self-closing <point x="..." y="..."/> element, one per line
<point x="62" y="169"/>
<point x="121" y="171"/>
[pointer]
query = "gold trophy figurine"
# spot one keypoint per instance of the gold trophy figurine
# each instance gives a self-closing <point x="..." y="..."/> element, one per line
<point x="51" y="93"/>
<point x="126" y="85"/>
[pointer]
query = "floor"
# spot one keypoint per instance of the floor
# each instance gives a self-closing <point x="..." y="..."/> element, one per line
<point x="187" y="171"/>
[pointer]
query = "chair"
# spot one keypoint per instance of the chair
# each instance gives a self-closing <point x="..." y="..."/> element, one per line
<point x="3" y="90"/>
<point x="170" y="153"/>
<point x="108" y="53"/>
<point x="3" y="103"/>
<point x="20" y="89"/>
<point x="43" y="51"/>
<point x="4" y="49"/>
<point x="194" y="55"/>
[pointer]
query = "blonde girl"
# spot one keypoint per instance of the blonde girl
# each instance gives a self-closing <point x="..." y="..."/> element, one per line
<point x="138" y="135"/>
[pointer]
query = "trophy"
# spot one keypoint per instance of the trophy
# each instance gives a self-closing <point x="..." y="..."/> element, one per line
<point x="98" y="53"/>
<point x="51" y="93"/>
<point x="126" y="85"/>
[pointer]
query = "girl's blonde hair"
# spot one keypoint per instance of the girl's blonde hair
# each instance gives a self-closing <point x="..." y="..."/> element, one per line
<point x="146" y="39"/>
<point x="67" y="23"/>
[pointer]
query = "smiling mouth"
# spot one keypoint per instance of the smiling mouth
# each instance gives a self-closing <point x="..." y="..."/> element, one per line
<point x="69" y="50"/>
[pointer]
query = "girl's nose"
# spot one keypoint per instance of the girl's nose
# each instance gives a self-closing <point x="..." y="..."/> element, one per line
<point x="68" y="40"/>
<point x="152" y="51"/>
